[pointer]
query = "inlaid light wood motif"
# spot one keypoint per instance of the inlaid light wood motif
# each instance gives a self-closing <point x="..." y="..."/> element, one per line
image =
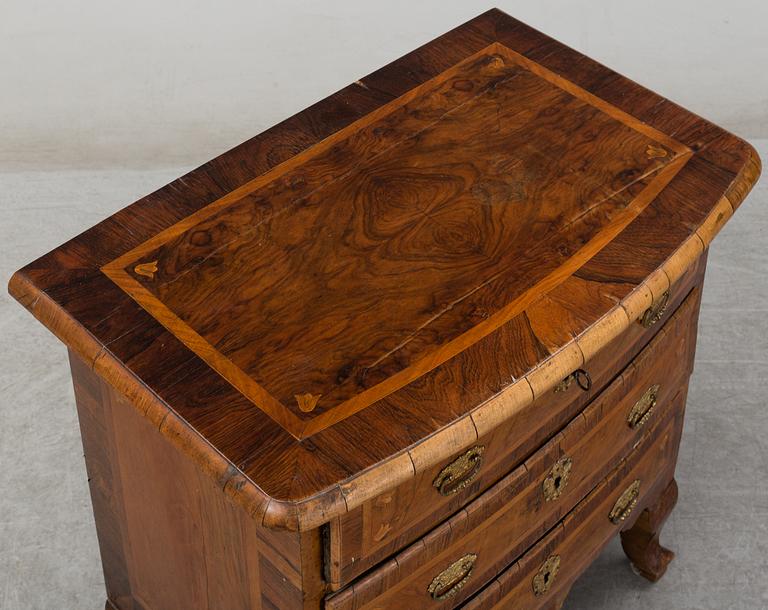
<point x="307" y="402"/>
<point x="655" y="152"/>
<point x="146" y="269"/>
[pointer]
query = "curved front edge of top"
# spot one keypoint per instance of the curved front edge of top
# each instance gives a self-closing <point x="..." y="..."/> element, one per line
<point x="399" y="468"/>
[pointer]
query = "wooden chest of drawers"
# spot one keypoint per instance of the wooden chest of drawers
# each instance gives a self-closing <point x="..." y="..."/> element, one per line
<point x="424" y="345"/>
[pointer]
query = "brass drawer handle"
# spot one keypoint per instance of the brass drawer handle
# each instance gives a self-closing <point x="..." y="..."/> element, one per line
<point x="580" y="376"/>
<point x="459" y="473"/>
<point x="655" y="312"/>
<point x="450" y="581"/>
<point x="557" y="479"/>
<point x="544" y="578"/>
<point x="643" y="408"/>
<point x="626" y="502"/>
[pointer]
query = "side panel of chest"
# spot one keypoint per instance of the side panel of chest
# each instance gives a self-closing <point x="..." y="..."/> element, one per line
<point x="169" y="539"/>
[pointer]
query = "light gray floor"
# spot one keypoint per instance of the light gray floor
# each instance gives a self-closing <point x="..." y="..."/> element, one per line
<point x="48" y="552"/>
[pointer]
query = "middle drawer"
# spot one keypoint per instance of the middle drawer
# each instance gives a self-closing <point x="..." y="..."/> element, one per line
<point x="520" y="508"/>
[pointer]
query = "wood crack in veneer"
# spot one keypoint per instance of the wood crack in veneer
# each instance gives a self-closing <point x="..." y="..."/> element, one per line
<point x="302" y="334"/>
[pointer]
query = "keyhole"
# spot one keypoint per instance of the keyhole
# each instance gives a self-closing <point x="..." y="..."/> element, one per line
<point x="557" y="481"/>
<point x="546" y="577"/>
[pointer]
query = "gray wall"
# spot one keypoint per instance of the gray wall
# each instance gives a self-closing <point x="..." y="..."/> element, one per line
<point x="148" y="83"/>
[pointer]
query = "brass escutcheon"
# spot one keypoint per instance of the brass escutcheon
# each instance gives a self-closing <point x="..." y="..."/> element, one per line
<point x="450" y="581"/>
<point x="655" y="312"/>
<point x="544" y="578"/>
<point x="459" y="473"/>
<point x="643" y="408"/>
<point x="557" y="479"/>
<point x="580" y="376"/>
<point x="626" y="502"/>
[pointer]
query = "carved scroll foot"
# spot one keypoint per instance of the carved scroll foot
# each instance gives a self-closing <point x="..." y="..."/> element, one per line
<point x="641" y="541"/>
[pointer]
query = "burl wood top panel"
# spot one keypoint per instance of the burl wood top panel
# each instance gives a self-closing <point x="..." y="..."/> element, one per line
<point x="462" y="227"/>
<point x="385" y="250"/>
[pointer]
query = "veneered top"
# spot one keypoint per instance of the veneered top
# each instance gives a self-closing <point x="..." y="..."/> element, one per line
<point x="305" y="312"/>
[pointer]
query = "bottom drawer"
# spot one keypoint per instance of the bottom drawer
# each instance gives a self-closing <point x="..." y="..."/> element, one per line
<point x="544" y="575"/>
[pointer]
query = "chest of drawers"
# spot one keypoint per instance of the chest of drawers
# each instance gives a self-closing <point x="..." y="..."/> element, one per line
<point x="425" y="344"/>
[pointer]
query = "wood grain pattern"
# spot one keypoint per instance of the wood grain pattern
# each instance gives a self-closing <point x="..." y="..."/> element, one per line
<point x="168" y="538"/>
<point x="480" y="226"/>
<point x="396" y="517"/>
<point x="580" y="537"/>
<point x="505" y="521"/>
<point x="377" y="205"/>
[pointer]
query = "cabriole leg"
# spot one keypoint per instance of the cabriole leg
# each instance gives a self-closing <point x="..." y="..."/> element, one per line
<point x="641" y="541"/>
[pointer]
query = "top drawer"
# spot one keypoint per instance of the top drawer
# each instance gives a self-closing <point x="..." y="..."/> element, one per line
<point x="380" y="527"/>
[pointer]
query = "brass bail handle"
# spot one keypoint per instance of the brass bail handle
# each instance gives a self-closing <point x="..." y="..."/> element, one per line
<point x="580" y="376"/>
<point x="655" y="312"/>
<point x="643" y="408"/>
<point x="459" y="473"/>
<point x="625" y="504"/>
<point x="450" y="581"/>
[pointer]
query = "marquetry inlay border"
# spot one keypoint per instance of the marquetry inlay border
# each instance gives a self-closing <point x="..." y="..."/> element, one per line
<point x="301" y="428"/>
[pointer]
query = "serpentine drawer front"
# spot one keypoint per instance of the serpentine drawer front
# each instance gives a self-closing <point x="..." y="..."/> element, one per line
<point x="362" y="537"/>
<point x="542" y="577"/>
<point x="312" y="371"/>
<point x="497" y="527"/>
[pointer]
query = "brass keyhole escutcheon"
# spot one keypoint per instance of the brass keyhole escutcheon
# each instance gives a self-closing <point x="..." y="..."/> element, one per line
<point x="459" y="473"/>
<point x="544" y="578"/>
<point x="557" y="479"/>
<point x="655" y="312"/>
<point x="450" y="581"/>
<point x="625" y="504"/>
<point x="643" y="408"/>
